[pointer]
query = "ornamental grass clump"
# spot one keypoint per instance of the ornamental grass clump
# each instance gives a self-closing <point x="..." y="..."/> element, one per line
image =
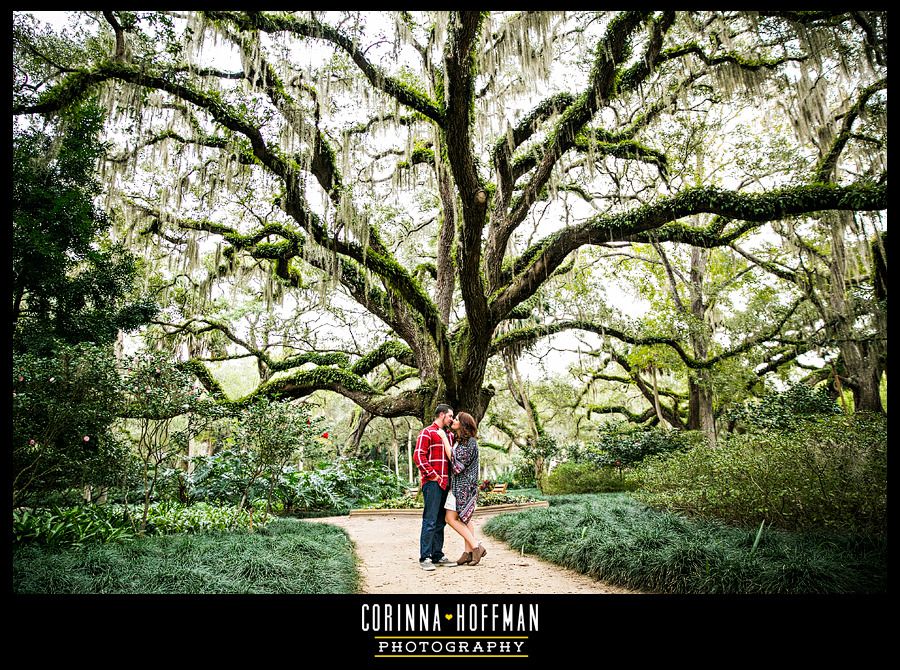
<point x="287" y="556"/>
<point x="616" y="539"/>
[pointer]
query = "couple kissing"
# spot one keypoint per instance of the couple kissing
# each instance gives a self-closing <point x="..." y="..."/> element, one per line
<point x="446" y="455"/>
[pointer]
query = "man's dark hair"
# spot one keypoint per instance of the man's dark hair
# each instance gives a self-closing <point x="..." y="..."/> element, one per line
<point x="440" y="409"/>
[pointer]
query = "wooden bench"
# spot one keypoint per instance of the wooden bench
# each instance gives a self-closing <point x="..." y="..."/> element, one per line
<point x="499" y="488"/>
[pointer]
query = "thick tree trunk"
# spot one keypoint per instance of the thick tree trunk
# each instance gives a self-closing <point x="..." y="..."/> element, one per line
<point x="693" y="404"/>
<point x="867" y="393"/>
<point x="445" y="272"/>
<point x="862" y="360"/>
<point x="700" y="404"/>
<point x="865" y="378"/>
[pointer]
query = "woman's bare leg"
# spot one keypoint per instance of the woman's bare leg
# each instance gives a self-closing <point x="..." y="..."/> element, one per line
<point x="463" y="529"/>
<point x="470" y="524"/>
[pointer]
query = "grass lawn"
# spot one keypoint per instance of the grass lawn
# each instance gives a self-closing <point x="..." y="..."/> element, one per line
<point x="288" y="556"/>
<point x="612" y="537"/>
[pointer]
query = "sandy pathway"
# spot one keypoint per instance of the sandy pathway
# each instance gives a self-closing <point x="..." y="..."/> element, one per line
<point x="388" y="548"/>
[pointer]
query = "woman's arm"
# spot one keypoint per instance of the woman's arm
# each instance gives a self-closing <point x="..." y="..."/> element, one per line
<point x="447" y="448"/>
<point x="464" y="455"/>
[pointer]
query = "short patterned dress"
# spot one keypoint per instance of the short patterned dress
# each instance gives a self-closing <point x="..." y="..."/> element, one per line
<point x="465" y="478"/>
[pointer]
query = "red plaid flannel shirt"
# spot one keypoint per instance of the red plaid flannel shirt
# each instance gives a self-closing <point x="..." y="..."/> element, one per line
<point x="430" y="458"/>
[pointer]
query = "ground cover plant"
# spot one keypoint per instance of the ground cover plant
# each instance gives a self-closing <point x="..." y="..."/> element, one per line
<point x="285" y="556"/>
<point x="614" y="538"/>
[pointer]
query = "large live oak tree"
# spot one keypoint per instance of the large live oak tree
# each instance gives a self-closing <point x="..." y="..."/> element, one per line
<point x="508" y="113"/>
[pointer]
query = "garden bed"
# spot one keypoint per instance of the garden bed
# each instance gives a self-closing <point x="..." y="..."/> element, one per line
<point x="479" y="511"/>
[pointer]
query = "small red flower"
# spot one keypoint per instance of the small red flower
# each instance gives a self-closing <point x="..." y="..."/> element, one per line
<point x="325" y="434"/>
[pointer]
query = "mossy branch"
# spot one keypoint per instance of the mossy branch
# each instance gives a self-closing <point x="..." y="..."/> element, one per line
<point x="276" y="23"/>
<point x="625" y="149"/>
<point x="637" y="73"/>
<point x="74" y="87"/>
<point x="212" y="141"/>
<point x="528" y="336"/>
<point x="336" y="358"/>
<point x="612" y="50"/>
<point x="506" y="145"/>
<point x="633" y="417"/>
<point x="302" y="383"/>
<point x="538" y="262"/>
<point x="630" y="380"/>
<point x="388" y="350"/>
<point x="742" y="62"/>
<point x="205" y="377"/>
<point x="825" y="169"/>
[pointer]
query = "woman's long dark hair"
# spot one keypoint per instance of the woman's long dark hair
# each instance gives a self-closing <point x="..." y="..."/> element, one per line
<point x="467" y="426"/>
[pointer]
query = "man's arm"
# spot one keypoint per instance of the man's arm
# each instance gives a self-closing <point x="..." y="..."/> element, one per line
<point x="420" y="457"/>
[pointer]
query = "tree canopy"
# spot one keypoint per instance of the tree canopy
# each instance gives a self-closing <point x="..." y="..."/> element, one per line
<point x="420" y="192"/>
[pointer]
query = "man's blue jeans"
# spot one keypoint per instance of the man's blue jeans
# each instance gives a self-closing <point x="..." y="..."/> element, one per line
<point x="431" y="541"/>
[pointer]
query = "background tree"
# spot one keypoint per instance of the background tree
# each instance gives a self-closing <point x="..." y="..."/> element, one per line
<point x="275" y="433"/>
<point x="69" y="281"/>
<point x="504" y="125"/>
<point x="164" y="411"/>
<point x="72" y="292"/>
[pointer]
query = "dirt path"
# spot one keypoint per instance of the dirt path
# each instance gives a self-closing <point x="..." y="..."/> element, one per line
<point x="388" y="549"/>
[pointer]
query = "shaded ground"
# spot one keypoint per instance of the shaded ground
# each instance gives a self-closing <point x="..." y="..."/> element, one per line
<point x="388" y="549"/>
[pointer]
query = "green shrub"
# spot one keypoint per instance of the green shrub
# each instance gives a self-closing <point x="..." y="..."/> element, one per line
<point x="521" y="475"/>
<point x="335" y="488"/>
<point x="570" y="477"/>
<point x="784" y="409"/>
<point x="339" y="487"/>
<point x="827" y="472"/>
<point x="631" y="446"/>
<point x="97" y="524"/>
<point x="170" y="517"/>
<point x="74" y="526"/>
<point x="221" y="478"/>
<point x="62" y="409"/>
<point x="485" y="499"/>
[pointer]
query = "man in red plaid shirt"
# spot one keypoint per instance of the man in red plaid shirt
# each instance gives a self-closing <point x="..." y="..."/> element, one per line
<point x="434" y="471"/>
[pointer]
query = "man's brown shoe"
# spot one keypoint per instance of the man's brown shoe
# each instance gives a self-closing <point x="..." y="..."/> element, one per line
<point x="465" y="558"/>
<point x="477" y="554"/>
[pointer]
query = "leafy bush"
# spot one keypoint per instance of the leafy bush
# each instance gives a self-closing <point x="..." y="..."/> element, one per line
<point x="627" y="447"/>
<point x="62" y="410"/>
<point x="826" y="472"/>
<point x="521" y="474"/>
<point x="222" y="477"/>
<point x="338" y="487"/>
<point x="485" y="499"/>
<point x="784" y="409"/>
<point x="572" y="477"/>
<point x="171" y="517"/>
<point x="92" y="524"/>
<point x="74" y="526"/>
<point x="399" y="502"/>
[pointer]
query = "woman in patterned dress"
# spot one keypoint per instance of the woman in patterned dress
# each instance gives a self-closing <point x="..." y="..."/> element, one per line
<point x="463" y="494"/>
